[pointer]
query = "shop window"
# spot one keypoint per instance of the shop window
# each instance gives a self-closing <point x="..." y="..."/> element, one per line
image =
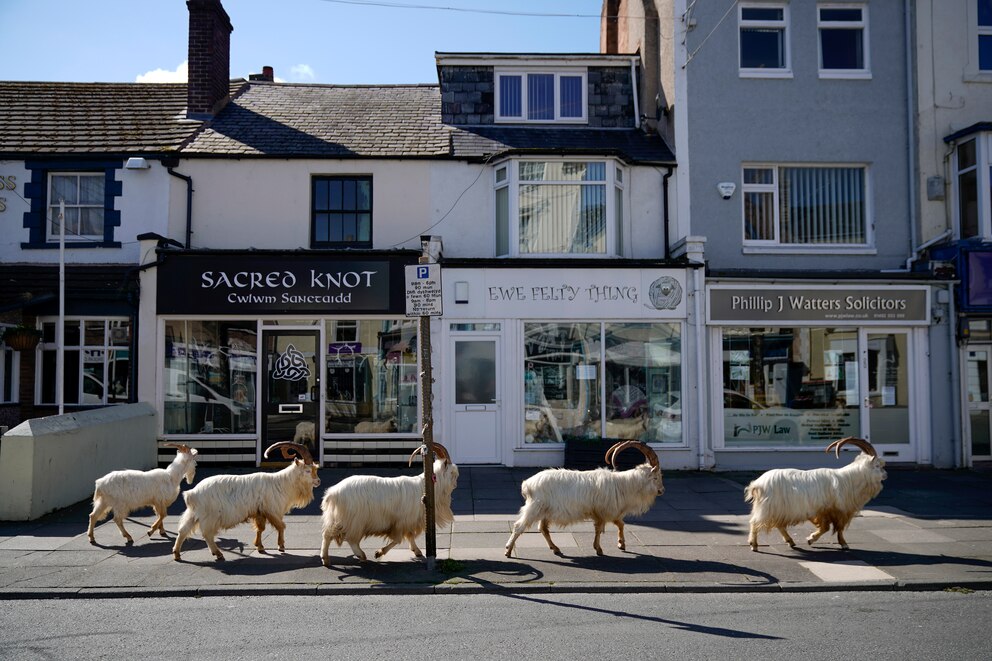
<point x="341" y="212"/>
<point x="559" y="208"/>
<point x="843" y="31"/>
<point x="10" y="364"/>
<point x="87" y="190"/>
<point x="764" y="44"/>
<point x="371" y="379"/>
<point x="210" y="377"/>
<point x="805" y="206"/>
<point x="541" y="96"/>
<point x="97" y="362"/>
<point x="790" y="387"/>
<point x="602" y="380"/>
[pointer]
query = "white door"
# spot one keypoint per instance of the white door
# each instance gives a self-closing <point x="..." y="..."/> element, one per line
<point x="476" y="394"/>
<point x="979" y="409"/>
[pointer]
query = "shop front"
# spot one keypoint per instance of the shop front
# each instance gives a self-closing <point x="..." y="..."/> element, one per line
<point x="796" y="366"/>
<point x="534" y="359"/>
<point x="255" y="348"/>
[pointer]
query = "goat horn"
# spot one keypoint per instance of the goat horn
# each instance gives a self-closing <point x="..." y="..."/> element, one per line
<point x="613" y="448"/>
<point x="645" y="449"/>
<point x="420" y="450"/>
<point x="181" y="447"/>
<point x="865" y="446"/>
<point x="290" y="450"/>
<point x="440" y="452"/>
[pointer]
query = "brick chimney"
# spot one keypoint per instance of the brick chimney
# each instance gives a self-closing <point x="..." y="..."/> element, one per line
<point x="268" y="73"/>
<point x="209" y="58"/>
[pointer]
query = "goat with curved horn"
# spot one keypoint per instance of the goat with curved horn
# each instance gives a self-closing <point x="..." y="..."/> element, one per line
<point x="291" y="450"/>
<point x="559" y="496"/>
<point x="826" y="497"/>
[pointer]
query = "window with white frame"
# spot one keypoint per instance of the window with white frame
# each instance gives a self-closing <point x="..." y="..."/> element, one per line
<point x="984" y="35"/>
<point x="559" y="208"/>
<point x="97" y="362"/>
<point x="843" y="34"/>
<point x="817" y="206"/>
<point x="10" y="367"/>
<point x="83" y="198"/>
<point x="541" y="96"/>
<point x="973" y="185"/>
<point x="764" y="43"/>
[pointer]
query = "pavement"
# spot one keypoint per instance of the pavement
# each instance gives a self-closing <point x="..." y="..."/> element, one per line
<point x="927" y="530"/>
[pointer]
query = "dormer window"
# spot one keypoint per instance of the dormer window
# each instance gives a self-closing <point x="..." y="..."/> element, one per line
<point x="541" y="96"/>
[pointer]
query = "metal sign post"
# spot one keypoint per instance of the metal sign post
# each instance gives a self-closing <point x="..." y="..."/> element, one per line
<point x="423" y="299"/>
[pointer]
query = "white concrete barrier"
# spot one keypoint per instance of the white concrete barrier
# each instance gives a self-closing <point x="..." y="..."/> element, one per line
<point x="50" y="463"/>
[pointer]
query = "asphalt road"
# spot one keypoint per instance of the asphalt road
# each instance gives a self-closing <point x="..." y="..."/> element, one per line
<point x="817" y="625"/>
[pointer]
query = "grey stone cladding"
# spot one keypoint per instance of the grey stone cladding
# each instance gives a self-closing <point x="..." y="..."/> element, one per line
<point x="468" y="96"/>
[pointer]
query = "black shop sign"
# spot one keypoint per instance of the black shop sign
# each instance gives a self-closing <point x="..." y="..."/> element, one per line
<point x="219" y="284"/>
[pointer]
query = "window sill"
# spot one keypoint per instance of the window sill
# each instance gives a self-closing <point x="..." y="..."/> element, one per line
<point x="763" y="73"/>
<point x="520" y="120"/>
<point x="834" y="74"/>
<point x="71" y="245"/>
<point x="977" y="77"/>
<point x="804" y="250"/>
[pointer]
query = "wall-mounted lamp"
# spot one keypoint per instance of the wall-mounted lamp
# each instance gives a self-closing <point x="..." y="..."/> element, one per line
<point x="136" y="163"/>
<point x="726" y="189"/>
<point x="461" y="292"/>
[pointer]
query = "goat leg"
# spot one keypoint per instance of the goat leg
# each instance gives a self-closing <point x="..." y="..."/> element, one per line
<point x="621" y="541"/>
<point x="119" y="520"/>
<point x="600" y="527"/>
<point x="393" y="541"/>
<point x="547" y="535"/>
<point x="413" y="546"/>
<point x="785" y="535"/>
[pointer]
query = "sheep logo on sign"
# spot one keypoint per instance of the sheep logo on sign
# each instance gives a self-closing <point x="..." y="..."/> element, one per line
<point x="291" y="366"/>
<point x="665" y="293"/>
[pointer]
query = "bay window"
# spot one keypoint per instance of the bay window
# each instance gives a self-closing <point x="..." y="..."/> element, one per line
<point x="818" y="206"/>
<point x="559" y="208"/>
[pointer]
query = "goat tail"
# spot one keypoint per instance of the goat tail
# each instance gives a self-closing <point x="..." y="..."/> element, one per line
<point x="752" y="493"/>
<point x="188" y="522"/>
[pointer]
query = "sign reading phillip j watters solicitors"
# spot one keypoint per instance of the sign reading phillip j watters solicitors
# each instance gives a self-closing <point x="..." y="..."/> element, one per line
<point x="838" y="306"/>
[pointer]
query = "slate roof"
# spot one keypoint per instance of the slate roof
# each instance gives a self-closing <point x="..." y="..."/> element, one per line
<point x="281" y="120"/>
<point x="60" y="118"/>
<point x="284" y="119"/>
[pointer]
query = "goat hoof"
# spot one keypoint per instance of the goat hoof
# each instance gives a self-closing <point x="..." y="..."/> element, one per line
<point x="377" y="554"/>
<point x="558" y="553"/>
<point x="129" y="542"/>
<point x="93" y="541"/>
<point x="220" y="558"/>
<point x="508" y="553"/>
<point x="844" y="547"/>
<point x="754" y="549"/>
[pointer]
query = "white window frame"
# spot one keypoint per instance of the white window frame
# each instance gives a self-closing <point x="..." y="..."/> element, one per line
<point x="558" y="74"/>
<point x="51" y="231"/>
<point x="863" y="73"/>
<point x="983" y="164"/>
<point x="972" y="73"/>
<point x="512" y="182"/>
<point x="106" y="347"/>
<point x="774" y="245"/>
<point x="785" y="71"/>
<point x="9" y="357"/>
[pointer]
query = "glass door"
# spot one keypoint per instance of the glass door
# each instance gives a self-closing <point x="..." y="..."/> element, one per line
<point x="979" y="410"/>
<point x="887" y="393"/>
<point x="291" y="396"/>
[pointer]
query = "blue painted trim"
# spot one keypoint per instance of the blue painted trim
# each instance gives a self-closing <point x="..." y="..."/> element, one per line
<point x="36" y="192"/>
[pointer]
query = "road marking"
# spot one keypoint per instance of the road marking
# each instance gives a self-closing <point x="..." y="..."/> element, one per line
<point x="846" y="571"/>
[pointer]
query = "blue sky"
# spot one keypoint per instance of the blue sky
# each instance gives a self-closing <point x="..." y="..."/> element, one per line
<point x="318" y="41"/>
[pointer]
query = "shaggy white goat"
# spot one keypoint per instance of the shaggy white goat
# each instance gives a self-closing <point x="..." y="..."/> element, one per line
<point x="561" y="497"/>
<point x="124" y="491"/>
<point x="783" y="497"/>
<point x="363" y="506"/>
<point x="220" y="502"/>
<point x="376" y="426"/>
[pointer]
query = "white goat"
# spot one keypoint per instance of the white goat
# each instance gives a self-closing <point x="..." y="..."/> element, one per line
<point x="559" y="496"/>
<point x="376" y="426"/>
<point x="124" y="491"/>
<point x="220" y="502"/>
<point x="826" y="497"/>
<point x="363" y="506"/>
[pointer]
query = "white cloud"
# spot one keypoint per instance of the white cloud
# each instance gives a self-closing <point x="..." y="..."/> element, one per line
<point x="180" y="75"/>
<point x="302" y="72"/>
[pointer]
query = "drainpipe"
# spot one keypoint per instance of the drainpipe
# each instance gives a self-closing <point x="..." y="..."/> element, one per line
<point x="962" y="459"/>
<point x="189" y="198"/>
<point x="910" y="126"/>
<point x="635" y="92"/>
<point x="669" y="170"/>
